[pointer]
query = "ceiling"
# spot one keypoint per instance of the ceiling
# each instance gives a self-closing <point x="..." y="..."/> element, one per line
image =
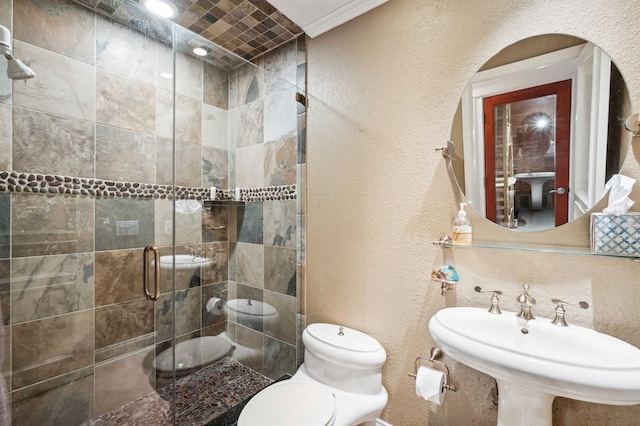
<point x="246" y="28"/>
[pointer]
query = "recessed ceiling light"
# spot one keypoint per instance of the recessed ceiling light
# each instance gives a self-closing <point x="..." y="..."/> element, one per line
<point x="200" y="51"/>
<point x="166" y="75"/>
<point x="162" y="8"/>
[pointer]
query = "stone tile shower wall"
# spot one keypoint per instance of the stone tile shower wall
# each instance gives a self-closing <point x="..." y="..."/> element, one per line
<point x="266" y="146"/>
<point x="79" y="336"/>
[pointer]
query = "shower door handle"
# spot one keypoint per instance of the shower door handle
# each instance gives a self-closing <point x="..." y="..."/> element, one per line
<point x="156" y="279"/>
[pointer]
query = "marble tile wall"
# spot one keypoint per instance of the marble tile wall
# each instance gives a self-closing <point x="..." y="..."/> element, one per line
<point x="80" y="336"/>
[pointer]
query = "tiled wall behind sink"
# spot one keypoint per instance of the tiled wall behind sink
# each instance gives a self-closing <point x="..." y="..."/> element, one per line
<point x="80" y="336"/>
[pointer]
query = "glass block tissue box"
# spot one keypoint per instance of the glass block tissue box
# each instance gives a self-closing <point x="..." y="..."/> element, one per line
<point x="616" y="235"/>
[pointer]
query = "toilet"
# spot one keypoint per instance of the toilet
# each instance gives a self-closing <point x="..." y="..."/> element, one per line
<point x="339" y="383"/>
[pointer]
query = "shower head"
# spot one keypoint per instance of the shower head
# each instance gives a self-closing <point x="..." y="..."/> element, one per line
<point x="16" y="69"/>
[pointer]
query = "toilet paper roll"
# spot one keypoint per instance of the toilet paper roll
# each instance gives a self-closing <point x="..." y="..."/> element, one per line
<point x="430" y="384"/>
<point x="214" y="306"/>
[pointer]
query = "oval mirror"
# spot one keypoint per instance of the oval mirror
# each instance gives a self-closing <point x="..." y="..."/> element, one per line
<point x="539" y="130"/>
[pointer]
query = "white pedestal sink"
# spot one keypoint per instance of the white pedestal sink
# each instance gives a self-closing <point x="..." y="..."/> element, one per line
<point x="536" y="181"/>
<point x="533" y="368"/>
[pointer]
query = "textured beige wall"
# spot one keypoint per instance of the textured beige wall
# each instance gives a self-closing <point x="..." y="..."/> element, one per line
<point x="384" y="92"/>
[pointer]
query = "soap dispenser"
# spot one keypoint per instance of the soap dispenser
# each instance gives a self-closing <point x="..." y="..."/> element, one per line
<point x="462" y="227"/>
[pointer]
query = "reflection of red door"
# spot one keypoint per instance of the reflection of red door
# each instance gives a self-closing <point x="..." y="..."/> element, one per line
<point x="562" y="92"/>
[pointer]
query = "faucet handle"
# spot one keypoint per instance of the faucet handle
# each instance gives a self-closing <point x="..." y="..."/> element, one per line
<point x="582" y="304"/>
<point x="525" y="298"/>
<point x="560" y="311"/>
<point x="495" y="308"/>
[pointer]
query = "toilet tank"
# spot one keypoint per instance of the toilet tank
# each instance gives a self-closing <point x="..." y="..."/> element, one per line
<point x="344" y="358"/>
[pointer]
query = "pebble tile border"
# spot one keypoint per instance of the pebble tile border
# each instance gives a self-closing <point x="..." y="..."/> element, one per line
<point x="89" y="187"/>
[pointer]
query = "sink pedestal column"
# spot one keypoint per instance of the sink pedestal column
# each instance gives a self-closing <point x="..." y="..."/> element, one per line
<point x="522" y="407"/>
<point x="536" y="195"/>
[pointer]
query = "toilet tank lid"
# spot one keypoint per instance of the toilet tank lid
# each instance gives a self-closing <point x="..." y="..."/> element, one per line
<point x="343" y="337"/>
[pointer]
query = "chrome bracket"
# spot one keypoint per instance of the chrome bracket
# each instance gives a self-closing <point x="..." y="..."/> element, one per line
<point x="445" y="241"/>
<point x="447" y="150"/>
<point x="302" y="99"/>
<point x="445" y="285"/>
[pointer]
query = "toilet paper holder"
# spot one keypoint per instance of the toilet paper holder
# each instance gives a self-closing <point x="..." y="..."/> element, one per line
<point x="434" y="356"/>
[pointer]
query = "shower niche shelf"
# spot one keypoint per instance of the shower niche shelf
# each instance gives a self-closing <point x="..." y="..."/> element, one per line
<point x="221" y="203"/>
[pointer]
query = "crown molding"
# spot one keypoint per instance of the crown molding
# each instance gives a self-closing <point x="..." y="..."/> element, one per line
<point x="323" y="16"/>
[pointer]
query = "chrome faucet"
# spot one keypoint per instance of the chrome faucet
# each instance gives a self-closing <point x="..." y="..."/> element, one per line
<point x="196" y="251"/>
<point x="526" y="302"/>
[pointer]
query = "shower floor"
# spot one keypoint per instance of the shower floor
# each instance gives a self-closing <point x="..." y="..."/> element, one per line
<point x="200" y="398"/>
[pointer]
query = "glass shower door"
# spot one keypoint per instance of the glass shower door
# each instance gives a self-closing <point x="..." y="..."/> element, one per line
<point x="114" y="146"/>
<point x="88" y="184"/>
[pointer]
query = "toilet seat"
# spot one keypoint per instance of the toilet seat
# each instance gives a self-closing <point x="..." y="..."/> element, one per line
<point x="290" y="403"/>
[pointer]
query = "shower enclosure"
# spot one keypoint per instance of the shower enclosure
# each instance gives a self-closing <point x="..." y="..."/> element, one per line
<point x="114" y="147"/>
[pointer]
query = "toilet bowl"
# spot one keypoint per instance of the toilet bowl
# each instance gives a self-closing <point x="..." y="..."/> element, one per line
<point x="339" y="383"/>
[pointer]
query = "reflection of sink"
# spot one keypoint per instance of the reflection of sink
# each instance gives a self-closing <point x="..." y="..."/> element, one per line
<point x="533" y="368"/>
<point x="192" y="354"/>
<point x="536" y="180"/>
<point x="184" y="262"/>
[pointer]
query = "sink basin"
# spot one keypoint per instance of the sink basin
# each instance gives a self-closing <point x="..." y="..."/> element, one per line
<point x="184" y="262"/>
<point x="533" y="368"/>
<point x="536" y="181"/>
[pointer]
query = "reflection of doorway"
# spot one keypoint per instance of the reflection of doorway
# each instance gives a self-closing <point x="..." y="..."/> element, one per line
<point x="526" y="141"/>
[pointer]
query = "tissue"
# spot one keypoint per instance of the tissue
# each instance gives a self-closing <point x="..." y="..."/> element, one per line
<point x="616" y="231"/>
<point x="430" y="384"/>
<point x="214" y="306"/>
<point x="619" y="187"/>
